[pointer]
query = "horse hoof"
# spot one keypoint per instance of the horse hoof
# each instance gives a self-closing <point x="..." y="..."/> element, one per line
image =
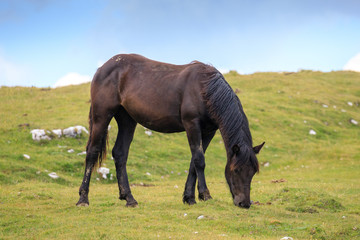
<point x="82" y="204"/>
<point x="131" y="204"/>
<point x="190" y="201"/>
<point x="205" y="196"/>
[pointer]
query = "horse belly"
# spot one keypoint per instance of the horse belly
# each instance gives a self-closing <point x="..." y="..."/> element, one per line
<point x="160" y="117"/>
<point x="168" y="124"/>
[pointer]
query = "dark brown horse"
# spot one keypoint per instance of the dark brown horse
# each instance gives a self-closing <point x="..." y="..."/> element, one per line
<point x="169" y="98"/>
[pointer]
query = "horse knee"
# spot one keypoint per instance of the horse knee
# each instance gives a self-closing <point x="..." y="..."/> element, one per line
<point x="116" y="154"/>
<point x="120" y="157"/>
<point x="199" y="160"/>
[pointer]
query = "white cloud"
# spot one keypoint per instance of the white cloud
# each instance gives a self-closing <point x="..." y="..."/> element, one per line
<point x="72" y="79"/>
<point x="353" y="64"/>
<point x="11" y="74"/>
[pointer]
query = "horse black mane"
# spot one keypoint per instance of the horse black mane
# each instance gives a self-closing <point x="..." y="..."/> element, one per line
<point x="226" y="110"/>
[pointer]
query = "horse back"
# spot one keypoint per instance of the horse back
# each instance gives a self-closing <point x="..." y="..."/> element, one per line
<point x="157" y="95"/>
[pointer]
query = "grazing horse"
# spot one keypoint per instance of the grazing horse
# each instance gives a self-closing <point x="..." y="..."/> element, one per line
<point x="169" y="98"/>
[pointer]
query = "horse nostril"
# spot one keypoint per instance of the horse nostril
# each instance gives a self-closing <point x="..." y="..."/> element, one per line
<point x="244" y="205"/>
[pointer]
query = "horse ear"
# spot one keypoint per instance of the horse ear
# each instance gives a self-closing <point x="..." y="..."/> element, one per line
<point x="235" y="149"/>
<point x="258" y="148"/>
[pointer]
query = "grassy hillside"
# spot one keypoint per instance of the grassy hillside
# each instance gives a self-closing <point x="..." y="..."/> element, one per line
<point x="308" y="186"/>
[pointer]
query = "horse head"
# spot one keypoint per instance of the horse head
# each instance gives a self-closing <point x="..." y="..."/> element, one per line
<point x="239" y="172"/>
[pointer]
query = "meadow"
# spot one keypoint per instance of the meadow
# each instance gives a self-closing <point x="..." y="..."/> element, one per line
<point x="308" y="185"/>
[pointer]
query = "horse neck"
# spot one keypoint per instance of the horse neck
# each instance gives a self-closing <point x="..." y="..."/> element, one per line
<point x="235" y="131"/>
<point x="226" y="110"/>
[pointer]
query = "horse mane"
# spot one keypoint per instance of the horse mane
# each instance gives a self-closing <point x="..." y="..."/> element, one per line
<point x="226" y="110"/>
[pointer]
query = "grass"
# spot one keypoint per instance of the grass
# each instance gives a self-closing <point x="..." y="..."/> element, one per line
<point x="319" y="198"/>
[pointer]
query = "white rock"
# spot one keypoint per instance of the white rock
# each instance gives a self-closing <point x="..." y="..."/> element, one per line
<point x="26" y="156"/>
<point x="287" y="238"/>
<point x="312" y="132"/>
<point x="325" y="106"/>
<point x="53" y="175"/>
<point x="148" y="132"/>
<point x="200" y="217"/>
<point x="149" y="174"/>
<point x="267" y="164"/>
<point x="57" y="132"/>
<point x="70" y="151"/>
<point x="82" y="153"/>
<point x="39" y="134"/>
<point x="185" y="214"/>
<point x="354" y="122"/>
<point x="176" y="186"/>
<point x="350" y="104"/>
<point x="104" y="171"/>
<point x="74" y="131"/>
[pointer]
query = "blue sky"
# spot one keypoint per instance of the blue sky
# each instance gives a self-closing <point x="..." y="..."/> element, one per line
<point x="44" y="41"/>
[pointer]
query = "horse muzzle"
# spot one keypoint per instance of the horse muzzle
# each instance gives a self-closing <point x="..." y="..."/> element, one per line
<point x="240" y="201"/>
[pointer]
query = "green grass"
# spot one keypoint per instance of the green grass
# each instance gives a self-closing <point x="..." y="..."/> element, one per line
<point x="318" y="200"/>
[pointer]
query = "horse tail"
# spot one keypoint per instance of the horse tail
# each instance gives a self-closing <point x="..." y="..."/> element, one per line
<point x="103" y="143"/>
<point x="90" y="129"/>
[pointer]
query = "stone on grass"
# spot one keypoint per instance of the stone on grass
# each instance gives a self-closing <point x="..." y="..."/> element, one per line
<point x="148" y="132"/>
<point x="39" y="134"/>
<point x="312" y="132"/>
<point x="57" y="132"/>
<point x="74" y="131"/>
<point x="104" y="171"/>
<point x="53" y="175"/>
<point x="354" y="122"/>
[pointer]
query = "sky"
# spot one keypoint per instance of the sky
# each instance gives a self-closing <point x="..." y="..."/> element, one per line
<point x="49" y="43"/>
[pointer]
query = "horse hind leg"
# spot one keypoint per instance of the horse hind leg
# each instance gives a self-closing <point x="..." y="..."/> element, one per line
<point x="95" y="149"/>
<point x="126" y="129"/>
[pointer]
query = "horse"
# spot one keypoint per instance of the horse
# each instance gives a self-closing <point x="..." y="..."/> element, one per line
<point x="169" y="98"/>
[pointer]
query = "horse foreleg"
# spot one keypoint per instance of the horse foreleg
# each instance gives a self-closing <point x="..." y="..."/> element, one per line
<point x="206" y="139"/>
<point x="189" y="193"/>
<point x="194" y="135"/>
